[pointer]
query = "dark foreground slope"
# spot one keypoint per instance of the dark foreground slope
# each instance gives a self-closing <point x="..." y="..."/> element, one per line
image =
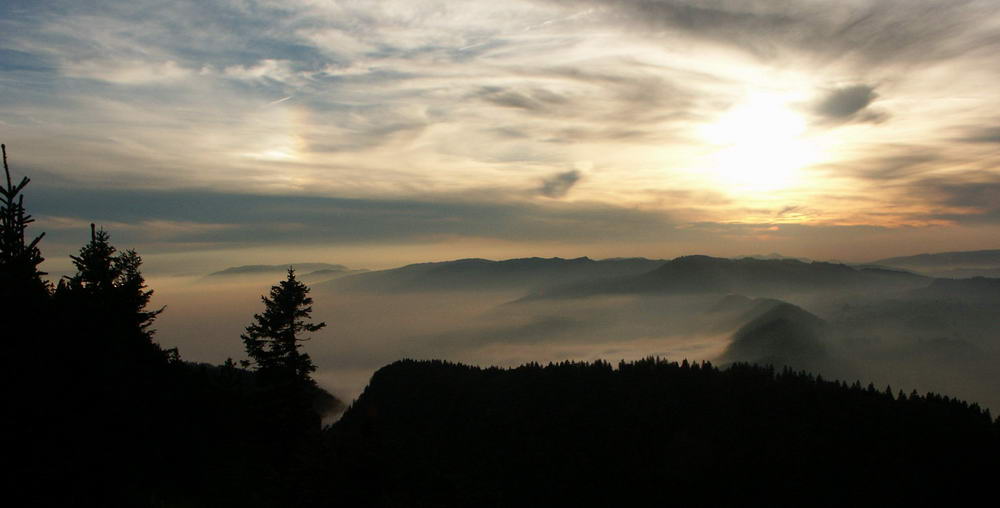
<point x="180" y="434"/>
<point x="651" y="432"/>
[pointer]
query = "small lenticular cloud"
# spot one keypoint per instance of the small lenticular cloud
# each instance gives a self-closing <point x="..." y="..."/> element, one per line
<point x="558" y="185"/>
<point x="849" y="103"/>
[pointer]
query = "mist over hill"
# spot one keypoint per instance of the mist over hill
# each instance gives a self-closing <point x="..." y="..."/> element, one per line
<point x="756" y="277"/>
<point x="782" y="335"/>
<point x="773" y="255"/>
<point x="878" y="324"/>
<point x="312" y="273"/>
<point x="960" y="264"/>
<point x="975" y="288"/>
<point x="989" y="257"/>
<point x="484" y="274"/>
<point x="277" y="269"/>
<point x="645" y="426"/>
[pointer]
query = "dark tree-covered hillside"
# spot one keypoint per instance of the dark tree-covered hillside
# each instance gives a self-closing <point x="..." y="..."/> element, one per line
<point x="653" y="433"/>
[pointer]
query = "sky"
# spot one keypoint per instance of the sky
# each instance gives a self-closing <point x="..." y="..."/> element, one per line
<point x="208" y="134"/>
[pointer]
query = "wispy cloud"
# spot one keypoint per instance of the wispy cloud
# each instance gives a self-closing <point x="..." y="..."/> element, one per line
<point x="868" y="32"/>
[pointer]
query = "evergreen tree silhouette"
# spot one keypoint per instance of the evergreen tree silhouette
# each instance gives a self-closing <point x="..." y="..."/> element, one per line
<point x="273" y="340"/>
<point x="27" y="340"/>
<point x="95" y="270"/>
<point x="108" y="292"/>
<point x="289" y="396"/>
<point x="20" y="277"/>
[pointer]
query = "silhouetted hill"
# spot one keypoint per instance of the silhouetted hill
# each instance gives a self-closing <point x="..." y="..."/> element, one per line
<point x="484" y="274"/>
<point x="278" y="269"/>
<point x="980" y="258"/>
<point x="783" y="334"/>
<point x="773" y="255"/>
<point x="962" y="264"/>
<point x="325" y="275"/>
<point x="313" y="273"/>
<point x="704" y="274"/>
<point x="652" y="432"/>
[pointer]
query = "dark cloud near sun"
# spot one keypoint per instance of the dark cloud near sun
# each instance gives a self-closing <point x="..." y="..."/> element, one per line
<point x="972" y="198"/>
<point x="851" y="103"/>
<point x="558" y="185"/>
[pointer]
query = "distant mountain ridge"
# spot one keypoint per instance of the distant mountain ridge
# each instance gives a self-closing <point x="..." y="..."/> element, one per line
<point x="310" y="273"/>
<point x="257" y="269"/>
<point x="976" y="258"/>
<point x="764" y="276"/>
<point x="773" y="255"/>
<point x="950" y="265"/>
<point x="485" y="274"/>
<point x="759" y="277"/>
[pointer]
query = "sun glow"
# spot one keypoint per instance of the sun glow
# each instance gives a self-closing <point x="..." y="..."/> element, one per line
<point x="759" y="145"/>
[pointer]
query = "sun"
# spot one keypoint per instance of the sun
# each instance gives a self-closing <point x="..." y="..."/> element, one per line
<point x="759" y="145"/>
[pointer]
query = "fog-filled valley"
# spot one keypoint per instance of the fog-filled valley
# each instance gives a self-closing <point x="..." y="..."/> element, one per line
<point x="877" y="324"/>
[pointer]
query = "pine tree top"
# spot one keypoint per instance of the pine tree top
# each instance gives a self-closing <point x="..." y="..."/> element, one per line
<point x="19" y="259"/>
<point x="273" y="340"/>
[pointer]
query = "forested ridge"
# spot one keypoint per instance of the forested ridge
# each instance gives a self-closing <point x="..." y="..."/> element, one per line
<point x="99" y="414"/>
<point x="432" y="433"/>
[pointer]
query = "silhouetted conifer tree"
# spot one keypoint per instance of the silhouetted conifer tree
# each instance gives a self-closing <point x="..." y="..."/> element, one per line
<point x="20" y="277"/>
<point x="109" y="293"/>
<point x="289" y="396"/>
<point x="25" y="335"/>
<point x="273" y="340"/>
